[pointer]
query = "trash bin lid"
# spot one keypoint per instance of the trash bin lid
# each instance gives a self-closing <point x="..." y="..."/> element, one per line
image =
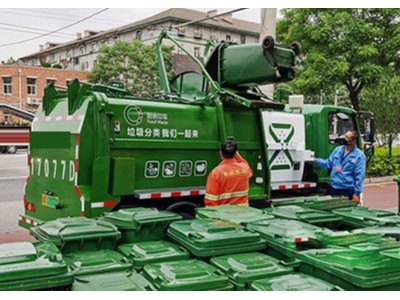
<point x="133" y="218"/>
<point x="77" y="229"/>
<point x="144" y="253"/>
<point x="311" y="216"/>
<point x="116" y="281"/>
<point x="99" y="261"/>
<point x="233" y="213"/>
<point x="244" y="268"/>
<point x="346" y="238"/>
<point x="364" y="216"/>
<point x="190" y="275"/>
<point x="363" y="269"/>
<point x="293" y="282"/>
<point x="32" y="266"/>
<point x="208" y="232"/>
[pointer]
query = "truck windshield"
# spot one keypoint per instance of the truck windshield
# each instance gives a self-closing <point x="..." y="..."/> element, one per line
<point x="339" y="123"/>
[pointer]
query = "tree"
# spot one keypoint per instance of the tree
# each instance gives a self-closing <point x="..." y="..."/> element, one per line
<point x="134" y="64"/>
<point x="387" y="112"/>
<point x="342" y="47"/>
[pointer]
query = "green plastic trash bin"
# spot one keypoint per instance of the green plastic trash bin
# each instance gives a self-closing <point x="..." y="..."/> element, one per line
<point x="29" y="266"/>
<point x="141" y="224"/>
<point x="78" y="234"/>
<point x="119" y="281"/>
<point x="293" y="283"/>
<point x="242" y="269"/>
<point x="238" y="214"/>
<point x="307" y="215"/>
<point x="325" y="203"/>
<point x="205" y="238"/>
<point x="189" y="275"/>
<point x="94" y="262"/>
<point x="389" y="231"/>
<point x="144" y="253"/>
<point x="353" y="269"/>
<point x="359" y="217"/>
<point x="286" y="237"/>
<point x="346" y="238"/>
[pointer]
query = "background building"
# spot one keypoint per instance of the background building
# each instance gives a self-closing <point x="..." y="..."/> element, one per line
<point x="80" y="54"/>
<point x="23" y="86"/>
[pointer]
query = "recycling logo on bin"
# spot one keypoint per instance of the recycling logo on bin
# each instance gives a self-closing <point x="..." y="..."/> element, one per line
<point x="281" y="134"/>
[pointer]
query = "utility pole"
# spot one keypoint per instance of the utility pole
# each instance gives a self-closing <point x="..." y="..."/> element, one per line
<point x="268" y="27"/>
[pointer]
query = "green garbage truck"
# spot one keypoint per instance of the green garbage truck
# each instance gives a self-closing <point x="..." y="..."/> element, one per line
<point x="97" y="148"/>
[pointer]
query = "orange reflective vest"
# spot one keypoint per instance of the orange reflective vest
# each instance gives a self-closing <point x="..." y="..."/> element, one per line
<point x="228" y="183"/>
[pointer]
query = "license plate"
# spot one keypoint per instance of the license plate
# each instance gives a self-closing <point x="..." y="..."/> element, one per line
<point x="49" y="201"/>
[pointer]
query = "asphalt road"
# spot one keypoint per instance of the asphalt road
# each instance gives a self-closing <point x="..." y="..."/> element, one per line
<point x="13" y="174"/>
<point x="14" y="170"/>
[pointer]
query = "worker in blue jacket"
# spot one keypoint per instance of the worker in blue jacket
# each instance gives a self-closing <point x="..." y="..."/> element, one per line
<point x="347" y="164"/>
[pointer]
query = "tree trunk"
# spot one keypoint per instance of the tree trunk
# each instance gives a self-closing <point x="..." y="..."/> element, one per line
<point x="354" y="91"/>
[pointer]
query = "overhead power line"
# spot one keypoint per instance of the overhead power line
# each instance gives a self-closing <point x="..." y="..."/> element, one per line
<point x="30" y="29"/>
<point x="57" y="30"/>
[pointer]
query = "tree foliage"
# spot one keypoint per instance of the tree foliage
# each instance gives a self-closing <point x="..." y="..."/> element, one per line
<point x="342" y="47"/>
<point x="383" y="99"/>
<point x="134" y="64"/>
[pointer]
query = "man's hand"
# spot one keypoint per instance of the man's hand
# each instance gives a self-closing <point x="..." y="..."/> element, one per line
<point x="356" y="199"/>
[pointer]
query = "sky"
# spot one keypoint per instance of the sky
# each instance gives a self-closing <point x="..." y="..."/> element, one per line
<point x="20" y="24"/>
<point x="23" y="22"/>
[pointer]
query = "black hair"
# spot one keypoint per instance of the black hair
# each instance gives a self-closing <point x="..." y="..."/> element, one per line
<point x="229" y="148"/>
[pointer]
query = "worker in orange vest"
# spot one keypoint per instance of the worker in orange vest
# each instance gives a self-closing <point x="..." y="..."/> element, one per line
<point x="228" y="183"/>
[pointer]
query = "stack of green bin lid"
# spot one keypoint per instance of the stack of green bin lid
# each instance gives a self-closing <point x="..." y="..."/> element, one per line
<point x="141" y="224"/>
<point x="233" y="213"/>
<point x="205" y="238"/>
<point x="389" y="231"/>
<point x="242" y="269"/>
<point x="325" y="203"/>
<point x="293" y="283"/>
<point x="360" y="217"/>
<point x="307" y="215"/>
<point x="186" y="275"/>
<point x="94" y="262"/>
<point x="119" y="281"/>
<point x="29" y="266"/>
<point x="346" y="238"/>
<point x="77" y="234"/>
<point x="144" y="253"/>
<point x="353" y="269"/>
<point x="286" y="237"/>
<point x="378" y="245"/>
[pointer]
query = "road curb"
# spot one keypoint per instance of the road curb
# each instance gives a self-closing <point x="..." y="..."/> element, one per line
<point x="379" y="179"/>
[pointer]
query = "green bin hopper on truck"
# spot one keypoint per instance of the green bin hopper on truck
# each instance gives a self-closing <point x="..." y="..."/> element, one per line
<point x="96" y="148"/>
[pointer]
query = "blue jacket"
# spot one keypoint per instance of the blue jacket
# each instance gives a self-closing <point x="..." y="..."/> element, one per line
<point x="352" y="166"/>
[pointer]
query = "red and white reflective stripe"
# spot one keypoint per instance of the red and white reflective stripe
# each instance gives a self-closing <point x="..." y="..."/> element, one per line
<point x="173" y="194"/>
<point x="77" y="141"/>
<point x="81" y="198"/>
<point x="58" y="118"/>
<point x="28" y="221"/>
<point x="281" y="186"/>
<point x="103" y="204"/>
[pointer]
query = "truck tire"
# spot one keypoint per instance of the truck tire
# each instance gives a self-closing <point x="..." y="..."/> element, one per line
<point x="185" y="209"/>
<point x="12" y="149"/>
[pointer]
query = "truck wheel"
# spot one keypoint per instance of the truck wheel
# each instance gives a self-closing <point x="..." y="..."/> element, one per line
<point x="12" y="149"/>
<point x="185" y="209"/>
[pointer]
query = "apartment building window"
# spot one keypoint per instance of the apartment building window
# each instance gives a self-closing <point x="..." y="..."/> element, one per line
<point x="242" y="39"/>
<point x="182" y="31"/>
<point x="138" y="35"/>
<point x="196" y="52"/>
<point x="31" y="85"/>
<point x="214" y="34"/>
<point x="85" y="66"/>
<point x="7" y="85"/>
<point x="228" y="38"/>
<point x="51" y="81"/>
<point x="198" y="32"/>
